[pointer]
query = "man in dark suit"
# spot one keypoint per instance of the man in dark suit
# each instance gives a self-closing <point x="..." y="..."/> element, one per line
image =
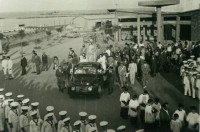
<point x="145" y="73"/>
<point x="60" y="78"/>
<point x="165" y="118"/>
<point x="37" y="63"/>
<point x="44" y="62"/>
<point x="153" y="66"/>
<point x="23" y="65"/>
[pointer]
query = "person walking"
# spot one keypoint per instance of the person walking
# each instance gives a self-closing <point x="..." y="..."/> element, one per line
<point x="37" y="63"/>
<point x="132" y="70"/>
<point x="175" y="124"/>
<point x="165" y="118"/>
<point x="23" y="64"/>
<point x="133" y="110"/>
<point x="124" y="100"/>
<point x="145" y="73"/>
<point x="186" y="84"/>
<point x="44" y="62"/>
<point x="10" y="68"/>
<point x="4" y="64"/>
<point x="122" y="74"/>
<point x="60" y="79"/>
<point x="33" y="66"/>
<point x="193" y="120"/>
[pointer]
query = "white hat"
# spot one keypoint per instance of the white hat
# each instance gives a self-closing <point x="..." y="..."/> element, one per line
<point x="24" y="107"/>
<point x="25" y="101"/>
<point x="20" y="96"/>
<point x="142" y="57"/>
<point x="62" y="113"/>
<point x="82" y="114"/>
<point x="192" y="56"/>
<point x="92" y="117"/>
<point x="121" y="128"/>
<point x="14" y="104"/>
<point x="66" y="119"/>
<point x="1" y="96"/>
<point x="49" y="115"/>
<point x="1" y="89"/>
<point x="50" y="108"/>
<point x="35" y="104"/>
<point x="103" y="123"/>
<point x="33" y="113"/>
<point x="111" y="130"/>
<point x="8" y="94"/>
<point x="140" y="130"/>
<point x="76" y="123"/>
<point x="184" y="62"/>
<point x="10" y="100"/>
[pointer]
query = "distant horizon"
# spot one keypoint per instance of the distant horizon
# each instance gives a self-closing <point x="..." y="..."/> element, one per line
<point x="12" y="6"/>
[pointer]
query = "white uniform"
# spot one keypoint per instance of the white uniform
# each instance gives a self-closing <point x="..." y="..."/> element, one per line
<point x="158" y="108"/>
<point x="10" y="68"/>
<point x="133" y="69"/>
<point x="83" y="125"/>
<point x="24" y="122"/>
<point x="36" y="125"/>
<point x="133" y="104"/>
<point x="91" y="125"/>
<point x="7" y="109"/>
<point x="13" y="118"/>
<point x="48" y="126"/>
<point x="181" y="114"/>
<point x="66" y="129"/>
<point x="4" y="64"/>
<point x="198" y="87"/>
<point x="193" y="86"/>
<point x="2" y="117"/>
<point x="192" y="119"/>
<point x="54" y="118"/>
<point x="143" y="99"/>
<point x="186" y="83"/>
<point x="60" y="125"/>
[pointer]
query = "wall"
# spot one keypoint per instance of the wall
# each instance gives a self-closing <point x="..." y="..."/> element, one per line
<point x="195" y="26"/>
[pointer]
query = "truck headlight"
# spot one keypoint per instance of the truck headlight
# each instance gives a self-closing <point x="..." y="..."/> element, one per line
<point x="90" y="88"/>
<point x="73" y="88"/>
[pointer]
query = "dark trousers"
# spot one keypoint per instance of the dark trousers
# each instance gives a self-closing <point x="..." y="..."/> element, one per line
<point x="45" y="66"/>
<point x="61" y="85"/>
<point x="124" y="112"/>
<point x="38" y="69"/>
<point x="134" y="121"/>
<point x="149" y="127"/>
<point x="23" y="70"/>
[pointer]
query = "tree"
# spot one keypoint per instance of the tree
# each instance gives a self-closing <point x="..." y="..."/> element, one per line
<point x="21" y="34"/>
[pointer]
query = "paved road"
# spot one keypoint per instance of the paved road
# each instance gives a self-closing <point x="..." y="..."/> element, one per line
<point x="43" y="88"/>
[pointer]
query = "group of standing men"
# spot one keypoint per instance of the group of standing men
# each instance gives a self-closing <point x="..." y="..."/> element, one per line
<point x="7" y="65"/>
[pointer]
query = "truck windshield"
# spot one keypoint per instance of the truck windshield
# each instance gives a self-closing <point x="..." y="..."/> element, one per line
<point x="84" y="70"/>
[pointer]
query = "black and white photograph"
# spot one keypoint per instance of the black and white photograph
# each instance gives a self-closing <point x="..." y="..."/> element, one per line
<point x="99" y="65"/>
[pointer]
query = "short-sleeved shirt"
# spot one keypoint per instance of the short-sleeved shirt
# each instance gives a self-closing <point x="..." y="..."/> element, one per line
<point x="133" y="104"/>
<point x="124" y="97"/>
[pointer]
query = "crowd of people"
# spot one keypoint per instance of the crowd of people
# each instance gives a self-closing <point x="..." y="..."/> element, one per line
<point x="22" y="115"/>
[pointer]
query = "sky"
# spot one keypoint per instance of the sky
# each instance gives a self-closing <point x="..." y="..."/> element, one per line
<point x="61" y="5"/>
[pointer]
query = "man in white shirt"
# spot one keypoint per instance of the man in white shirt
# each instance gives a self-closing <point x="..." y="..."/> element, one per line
<point x="181" y="113"/>
<point x="124" y="99"/>
<point x="186" y="83"/>
<point x="10" y="67"/>
<point x="193" y="120"/>
<point x="4" y="64"/>
<point x="133" y="70"/>
<point x="143" y="99"/>
<point x="133" y="110"/>
<point x="149" y="116"/>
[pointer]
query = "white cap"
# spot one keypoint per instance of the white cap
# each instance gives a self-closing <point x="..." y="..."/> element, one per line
<point x="24" y="107"/>
<point x="140" y="130"/>
<point x="8" y="94"/>
<point x="35" y="104"/>
<point x="66" y="119"/>
<point x="184" y="62"/>
<point x="20" y="96"/>
<point x="103" y="123"/>
<point x="1" y="96"/>
<point x="192" y="56"/>
<point x="62" y="113"/>
<point x="50" y="108"/>
<point x="110" y="130"/>
<point x="10" y="100"/>
<point x="25" y="101"/>
<point x="1" y="89"/>
<point x="33" y="113"/>
<point x="92" y="117"/>
<point x="142" y="57"/>
<point x="82" y="114"/>
<point x="14" y="104"/>
<point x="76" y="123"/>
<point x="121" y="128"/>
<point x="49" y="115"/>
